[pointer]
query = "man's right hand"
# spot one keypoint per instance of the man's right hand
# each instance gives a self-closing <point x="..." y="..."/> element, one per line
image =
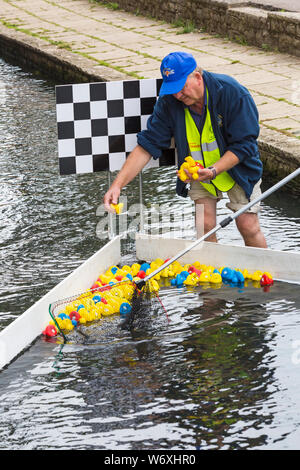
<point x="111" y="197"/>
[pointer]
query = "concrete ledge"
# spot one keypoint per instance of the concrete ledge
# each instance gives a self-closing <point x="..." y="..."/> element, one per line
<point x="51" y="61"/>
<point x="280" y="155"/>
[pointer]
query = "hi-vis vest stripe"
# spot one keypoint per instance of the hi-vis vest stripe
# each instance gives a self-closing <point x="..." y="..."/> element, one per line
<point x="205" y="148"/>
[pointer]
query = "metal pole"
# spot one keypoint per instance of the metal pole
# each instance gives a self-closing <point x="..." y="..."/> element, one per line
<point x="110" y="215"/>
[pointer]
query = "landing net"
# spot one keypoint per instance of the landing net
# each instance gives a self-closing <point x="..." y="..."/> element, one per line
<point x="90" y="306"/>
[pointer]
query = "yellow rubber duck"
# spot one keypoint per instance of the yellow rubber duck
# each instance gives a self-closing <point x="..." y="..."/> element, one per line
<point x="191" y="280"/>
<point x="187" y="266"/>
<point x="176" y="267"/>
<point x="204" y="277"/>
<point x="97" y="313"/>
<point x="167" y="272"/>
<point x="154" y="265"/>
<point x="159" y="261"/>
<point x="127" y="290"/>
<point x="117" y="292"/>
<point x="215" y="278"/>
<point x="59" y="322"/>
<point x="152" y="285"/>
<point x="105" y="278"/>
<point x="151" y="270"/>
<point x="89" y="303"/>
<point x="67" y="325"/>
<point x="256" y="276"/>
<point x="107" y="310"/>
<point x="210" y="269"/>
<point x="126" y="269"/>
<point x="135" y="269"/>
<point x="245" y="273"/>
<point x="114" y="304"/>
<point x="69" y="308"/>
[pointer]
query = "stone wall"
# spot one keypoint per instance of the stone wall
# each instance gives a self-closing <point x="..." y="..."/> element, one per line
<point x="238" y="20"/>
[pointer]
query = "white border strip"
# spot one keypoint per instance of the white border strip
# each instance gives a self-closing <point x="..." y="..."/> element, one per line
<point x="283" y="265"/>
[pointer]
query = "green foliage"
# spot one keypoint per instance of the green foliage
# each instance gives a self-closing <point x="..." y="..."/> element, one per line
<point x="112" y="5"/>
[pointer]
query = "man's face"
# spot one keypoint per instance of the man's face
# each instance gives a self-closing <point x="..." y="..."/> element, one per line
<point x="192" y="91"/>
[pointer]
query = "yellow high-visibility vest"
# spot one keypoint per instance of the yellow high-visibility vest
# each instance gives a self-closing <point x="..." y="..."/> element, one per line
<point x="204" y="148"/>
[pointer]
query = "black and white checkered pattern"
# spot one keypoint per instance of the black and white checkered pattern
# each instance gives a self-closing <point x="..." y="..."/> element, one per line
<point x="98" y="122"/>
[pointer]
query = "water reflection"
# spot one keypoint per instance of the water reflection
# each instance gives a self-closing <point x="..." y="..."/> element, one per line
<point x="206" y="380"/>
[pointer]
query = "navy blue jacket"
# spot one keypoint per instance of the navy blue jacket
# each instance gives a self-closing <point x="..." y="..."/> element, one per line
<point x="235" y="123"/>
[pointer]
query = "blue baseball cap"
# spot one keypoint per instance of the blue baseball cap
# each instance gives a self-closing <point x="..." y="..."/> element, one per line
<point x="175" y="68"/>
